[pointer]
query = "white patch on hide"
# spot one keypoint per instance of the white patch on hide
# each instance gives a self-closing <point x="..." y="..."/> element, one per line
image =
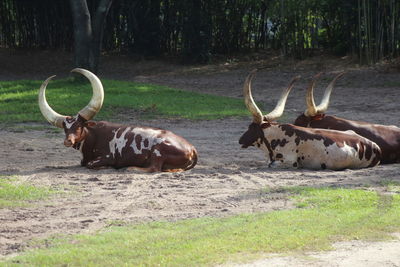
<point x="157" y="153"/>
<point x="118" y="143"/>
<point x="146" y="134"/>
<point x="68" y="124"/>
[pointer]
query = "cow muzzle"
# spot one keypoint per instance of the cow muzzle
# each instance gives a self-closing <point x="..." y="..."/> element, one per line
<point x="244" y="145"/>
<point x="70" y="140"/>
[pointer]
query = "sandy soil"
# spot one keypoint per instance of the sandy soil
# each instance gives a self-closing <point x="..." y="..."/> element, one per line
<point x="227" y="180"/>
<point x="354" y="253"/>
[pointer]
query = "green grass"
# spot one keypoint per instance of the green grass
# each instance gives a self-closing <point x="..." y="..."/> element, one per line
<point x="14" y="193"/>
<point x="391" y="84"/>
<point x="67" y="97"/>
<point x="327" y="215"/>
<point x="391" y="186"/>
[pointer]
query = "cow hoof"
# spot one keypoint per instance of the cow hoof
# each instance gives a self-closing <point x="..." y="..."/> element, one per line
<point x="274" y="164"/>
<point x="91" y="165"/>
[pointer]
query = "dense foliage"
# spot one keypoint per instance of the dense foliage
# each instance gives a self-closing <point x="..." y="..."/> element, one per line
<point x="195" y="29"/>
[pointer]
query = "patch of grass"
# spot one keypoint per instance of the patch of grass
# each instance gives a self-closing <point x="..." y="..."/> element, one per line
<point x="14" y="193"/>
<point x="66" y="96"/>
<point x="389" y="182"/>
<point x="391" y="186"/>
<point x="20" y="128"/>
<point x="391" y="84"/>
<point x="327" y="215"/>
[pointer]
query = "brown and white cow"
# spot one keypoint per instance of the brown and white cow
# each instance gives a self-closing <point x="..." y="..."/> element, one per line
<point x="385" y="136"/>
<point x="294" y="146"/>
<point x="108" y="144"/>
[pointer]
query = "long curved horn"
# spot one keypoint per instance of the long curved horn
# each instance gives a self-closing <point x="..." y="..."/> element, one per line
<point x="47" y="112"/>
<point x="311" y="107"/>
<point x="313" y="110"/>
<point x="323" y="106"/>
<point x="248" y="98"/>
<point x="280" y="106"/>
<point x="96" y="102"/>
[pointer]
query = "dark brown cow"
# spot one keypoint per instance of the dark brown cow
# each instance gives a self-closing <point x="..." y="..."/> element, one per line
<point x="293" y="146"/>
<point x="107" y="144"/>
<point x="386" y="137"/>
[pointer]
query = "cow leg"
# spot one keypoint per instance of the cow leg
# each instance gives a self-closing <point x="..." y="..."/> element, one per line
<point x="86" y="160"/>
<point x="284" y="162"/>
<point x="98" y="163"/>
<point x="155" y="165"/>
<point x="268" y="159"/>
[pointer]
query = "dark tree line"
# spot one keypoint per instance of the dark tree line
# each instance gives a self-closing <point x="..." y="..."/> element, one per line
<point x="195" y="29"/>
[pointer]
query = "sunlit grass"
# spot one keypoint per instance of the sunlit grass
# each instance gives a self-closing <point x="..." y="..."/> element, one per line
<point x="14" y="193"/>
<point x="391" y="185"/>
<point x="327" y="215"/>
<point x="66" y="96"/>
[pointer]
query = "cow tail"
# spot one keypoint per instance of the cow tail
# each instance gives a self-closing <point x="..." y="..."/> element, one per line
<point x="194" y="160"/>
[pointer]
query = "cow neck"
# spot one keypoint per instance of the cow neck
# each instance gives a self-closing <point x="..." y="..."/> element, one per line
<point x="268" y="145"/>
<point x="317" y="117"/>
<point x="79" y="145"/>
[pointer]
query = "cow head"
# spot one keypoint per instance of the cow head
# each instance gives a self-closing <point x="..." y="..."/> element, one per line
<point x="314" y="112"/>
<point x="75" y="128"/>
<point x="255" y="135"/>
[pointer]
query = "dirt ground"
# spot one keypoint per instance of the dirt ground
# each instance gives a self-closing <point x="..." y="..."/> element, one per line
<point x="227" y="180"/>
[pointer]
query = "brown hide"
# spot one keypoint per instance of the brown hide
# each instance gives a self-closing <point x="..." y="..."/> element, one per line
<point x="386" y="137"/>
<point x="115" y="145"/>
<point x="106" y="144"/>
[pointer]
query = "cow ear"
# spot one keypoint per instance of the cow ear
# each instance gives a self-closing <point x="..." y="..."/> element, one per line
<point x="265" y="125"/>
<point x="90" y="123"/>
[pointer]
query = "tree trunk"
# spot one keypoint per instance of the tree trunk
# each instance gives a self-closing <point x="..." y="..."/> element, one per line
<point x="88" y="33"/>
<point x="98" y="23"/>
